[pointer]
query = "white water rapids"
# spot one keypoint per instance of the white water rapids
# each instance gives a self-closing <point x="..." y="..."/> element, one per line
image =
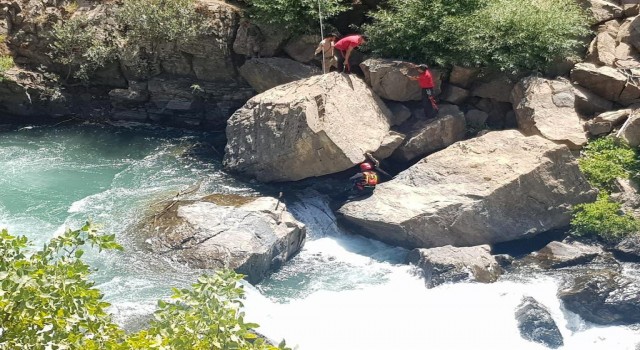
<point x="342" y="291"/>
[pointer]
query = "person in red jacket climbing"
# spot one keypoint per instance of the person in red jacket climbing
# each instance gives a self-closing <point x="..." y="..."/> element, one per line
<point x="425" y="80"/>
<point x="365" y="181"/>
<point x="346" y="46"/>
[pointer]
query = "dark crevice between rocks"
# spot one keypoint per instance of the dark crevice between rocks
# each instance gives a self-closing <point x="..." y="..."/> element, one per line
<point x="522" y="247"/>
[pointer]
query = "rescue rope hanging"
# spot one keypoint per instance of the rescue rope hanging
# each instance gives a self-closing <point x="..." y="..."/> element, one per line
<point x="321" y="34"/>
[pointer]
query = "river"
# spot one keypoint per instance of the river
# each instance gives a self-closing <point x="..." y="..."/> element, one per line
<point x="342" y="291"/>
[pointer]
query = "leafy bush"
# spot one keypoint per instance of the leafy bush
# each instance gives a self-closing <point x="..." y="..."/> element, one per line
<point x="605" y="159"/>
<point x="508" y="35"/>
<point x="6" y="63"/>
<point x="297" y="16"/>
<point x="603" y="219"/>
<point x="48" y="302"/>
<point x="153" y="22"/>
<point x="78" y="45"/>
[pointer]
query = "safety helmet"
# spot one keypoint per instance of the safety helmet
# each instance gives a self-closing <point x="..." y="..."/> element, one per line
<point x="365" y="166"/>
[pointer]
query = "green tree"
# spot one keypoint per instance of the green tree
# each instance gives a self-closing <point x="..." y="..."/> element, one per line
<point x="150" y="23"/>
<point x="296" y="16"/>
<point x="48" y="302"/>
<point x="80" y="47"/>
<point x="507" y="35"/>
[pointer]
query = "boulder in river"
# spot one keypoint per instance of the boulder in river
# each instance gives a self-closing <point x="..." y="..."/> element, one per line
<point x="558" y="254"/>
<point x="453" y="264"/>
<point x="499" y="187"/>
<point x="604" y="297"/>
<point x="310" y="127"/>
<point x="252" y="236"/>
<point x="536" y="324"/>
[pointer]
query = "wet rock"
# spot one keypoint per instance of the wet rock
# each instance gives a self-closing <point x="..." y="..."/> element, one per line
<point x="603" y="297"/>
<point x="499" y="187"/>
<point x="452" y="264"/>
<point x="427" y="136"/>
<point x="628" y="249"/>
<point x="388" y="79"/>
<point x="253" y="236"/>
<point x="536" y="324"/>
<point x="310" y="127"/>
<point x="558" y="254"/>
<point x="547" y="108"/>
<point x="266" y="73"/>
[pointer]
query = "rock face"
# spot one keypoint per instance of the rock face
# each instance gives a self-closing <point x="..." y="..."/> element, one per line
<point x="427" y="136"/>
<point x="536" y="324"/>
<point x="559" y="254"/>
<point x="266" y="73"/>
<point x="495" y="188"/>
<point x="630" y="131"/>
<point x="389" y="79"/>
<point x="546" y="108"/>
<point x="607" y="82"/>
<point x="253" y="238"/>
<point x="310" y="127"/>
<point x="603" y="297"/>
<point x="452" y="264"/>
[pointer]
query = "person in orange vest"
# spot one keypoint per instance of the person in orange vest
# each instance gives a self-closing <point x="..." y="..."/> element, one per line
<point x="365" y="181"/>
<point x="346" y="46"/>
<point x="425" y="80"/>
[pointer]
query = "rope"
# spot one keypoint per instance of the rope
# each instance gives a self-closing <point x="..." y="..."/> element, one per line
<point x="321" y="34"/>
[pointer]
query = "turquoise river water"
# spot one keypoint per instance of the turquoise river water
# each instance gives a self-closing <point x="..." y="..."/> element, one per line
<point x="341" y="292"/>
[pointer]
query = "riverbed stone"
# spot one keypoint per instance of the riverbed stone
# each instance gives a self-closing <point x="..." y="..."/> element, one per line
<point x="605" y="122"/>
<point x="310" y="127"/>
<point x="252" y="236"/>
<point x="499" y="187"/>
<point x="603" y="296"/>
<point x="266" y="73"/>
<point x="559" y="254"/>
<point x="453" y="264"/>
<point x="536" y="323"/>
<point x="547" y="108"/>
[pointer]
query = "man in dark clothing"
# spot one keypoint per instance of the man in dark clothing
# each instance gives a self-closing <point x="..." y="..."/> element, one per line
<point x="365" y="181"/>
<point x="345" y="46"/>
<point x="425" y="80"/>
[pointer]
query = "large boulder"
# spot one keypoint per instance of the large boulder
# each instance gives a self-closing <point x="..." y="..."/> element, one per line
<point x="605" y="122"/>
<point x="259" y="39"/>
<point x="536" y="323"/>
<point x="547" y="108"/>
<point x="499" y="89"/>
<point x="499" y="187"/>
<point x="427" y="136"/>
<point x="589" y="104"/>
<point x="630" y="131"/>
<point x="311" y="127"/>
<point x="601" y="10"/>
<point x="602" y="50"/>
<point x="250" y="235"/>
<point x="629" y="32"/>
<point x="302" y="48"/>
<point x="604" y="297"/>
<point x="266" y="73"/>
<point x="607" y="82"/>
<point x="453" y="264"/>
<point x="388" y="79"/>
<point x="558" y="254"/>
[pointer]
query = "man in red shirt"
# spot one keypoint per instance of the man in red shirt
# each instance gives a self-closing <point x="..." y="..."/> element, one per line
<point x="425" y="80"/>
<point x="345" y="46"/>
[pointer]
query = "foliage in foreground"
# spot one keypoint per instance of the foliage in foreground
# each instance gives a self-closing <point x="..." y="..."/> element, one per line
<point x="509" y="35"/>
<point x="296" y="16"/>
<point x="606" y="159"/>
<point x="48" y="302"/>
<point x="603" y="161"/>
<point x="6" y="63"/>
<point x="603" y="219"/>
